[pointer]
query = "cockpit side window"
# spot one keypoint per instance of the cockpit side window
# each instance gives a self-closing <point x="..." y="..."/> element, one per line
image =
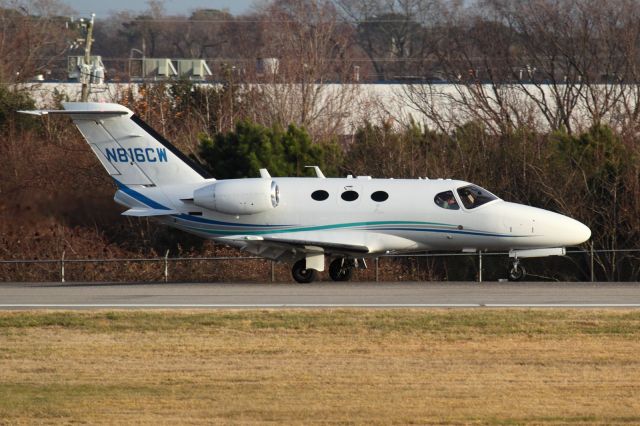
<point x="446" y="200"/>
<point x="473" y="196"/>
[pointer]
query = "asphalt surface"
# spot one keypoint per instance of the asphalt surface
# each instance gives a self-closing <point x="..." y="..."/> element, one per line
<point x="317" y="295"/>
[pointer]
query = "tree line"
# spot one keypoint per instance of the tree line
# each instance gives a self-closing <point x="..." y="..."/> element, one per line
<point x="531" y="41"/>
<point x="56" y="196"/>
<point x="546" y="95"/>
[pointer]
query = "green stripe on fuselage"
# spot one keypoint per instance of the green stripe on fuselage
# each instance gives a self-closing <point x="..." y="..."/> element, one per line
<point x="316" y="228"/>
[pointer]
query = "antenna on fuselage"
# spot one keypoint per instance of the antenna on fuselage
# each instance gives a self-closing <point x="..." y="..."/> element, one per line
<point x="318" y="171"/>
<point x="264" y="174"/>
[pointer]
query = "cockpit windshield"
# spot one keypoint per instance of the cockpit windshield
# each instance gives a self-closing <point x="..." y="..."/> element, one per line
<point x="447" y="200"/>
<point x="473" y="196"/>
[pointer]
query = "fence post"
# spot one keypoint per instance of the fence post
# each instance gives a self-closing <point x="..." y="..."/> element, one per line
<point x="273" y="271"/>
<point x="591" y="267"/>
<point x="479" y="266"/>
<point x="377" y="269"/>
<point x="62" y="267"/>
<point x="166" y="266"/>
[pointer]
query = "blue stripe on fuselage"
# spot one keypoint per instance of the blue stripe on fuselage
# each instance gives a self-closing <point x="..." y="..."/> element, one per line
<point x="138" y="196"/>
<point x="455" y="231"/>
<point x="346" y="226"/>
<point x="217" y="222"/>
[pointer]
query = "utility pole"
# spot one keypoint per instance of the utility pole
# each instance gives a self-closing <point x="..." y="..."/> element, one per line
<point x="85" y="76"/>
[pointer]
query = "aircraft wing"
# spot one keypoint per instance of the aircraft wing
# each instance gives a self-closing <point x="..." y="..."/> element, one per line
<point x="304" y="246"/>
<point x="327" y="246"/>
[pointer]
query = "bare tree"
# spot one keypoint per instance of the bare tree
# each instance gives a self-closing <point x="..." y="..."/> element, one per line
<point x="33" y="37"/>
<point x="560" y="64"/>
<point x="395" y="35"/>
<point x="311" y="47"/>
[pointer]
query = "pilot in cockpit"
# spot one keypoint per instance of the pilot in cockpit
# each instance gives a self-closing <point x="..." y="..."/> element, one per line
<point x="447" y="200"/>
<point x="470" y="198"/>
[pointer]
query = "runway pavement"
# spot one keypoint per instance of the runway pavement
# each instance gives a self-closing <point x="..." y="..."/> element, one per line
<point x="317" y="295"/>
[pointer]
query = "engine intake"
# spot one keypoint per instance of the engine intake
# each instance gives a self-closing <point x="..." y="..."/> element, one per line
<point x="238" y="196"/>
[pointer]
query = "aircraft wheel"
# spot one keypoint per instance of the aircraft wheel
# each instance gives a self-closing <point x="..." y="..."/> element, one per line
<point x="339" y="270"/>
<point x="516" y="272"/>
<point x="301" y="274"/>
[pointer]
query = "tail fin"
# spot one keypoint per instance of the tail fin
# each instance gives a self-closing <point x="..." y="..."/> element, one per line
<point x="130" y="150"/>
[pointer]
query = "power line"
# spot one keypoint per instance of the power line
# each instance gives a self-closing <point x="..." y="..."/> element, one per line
<point x="187" y="20"/>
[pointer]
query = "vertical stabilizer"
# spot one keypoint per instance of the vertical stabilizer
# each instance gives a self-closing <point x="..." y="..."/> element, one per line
<point x="130" y="150"/>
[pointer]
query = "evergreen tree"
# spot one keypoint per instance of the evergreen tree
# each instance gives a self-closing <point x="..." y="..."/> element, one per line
<point x="12" y="101"/>
<point x="251" y="146"/>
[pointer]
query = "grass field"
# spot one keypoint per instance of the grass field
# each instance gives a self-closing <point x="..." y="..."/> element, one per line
<point x="400" y="366"/>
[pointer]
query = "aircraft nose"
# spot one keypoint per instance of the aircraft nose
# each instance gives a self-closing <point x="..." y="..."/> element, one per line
<point x="570" y="232"/>
<point x="583" y="232"/>
<point x="549" y="229"/>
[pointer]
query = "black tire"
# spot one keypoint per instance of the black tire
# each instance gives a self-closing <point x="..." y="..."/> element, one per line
<point x="301" y="274"/>
<point x="516" y="272"/>
<point x="339" y="270"/>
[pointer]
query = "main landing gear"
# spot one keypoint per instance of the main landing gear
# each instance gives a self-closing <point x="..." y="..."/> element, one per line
<point x="301" y="274"/>
<point x="516" y="271"/>
<point x="340" y="269"/>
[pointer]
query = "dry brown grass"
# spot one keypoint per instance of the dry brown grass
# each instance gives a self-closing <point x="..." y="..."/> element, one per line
<point x="381" y="367"/>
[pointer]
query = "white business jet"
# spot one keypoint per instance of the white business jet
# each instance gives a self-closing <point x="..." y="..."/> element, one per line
<point x="305" y="220"/>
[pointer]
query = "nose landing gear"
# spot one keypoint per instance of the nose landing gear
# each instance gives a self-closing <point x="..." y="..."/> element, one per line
<point x="516" y="271"/>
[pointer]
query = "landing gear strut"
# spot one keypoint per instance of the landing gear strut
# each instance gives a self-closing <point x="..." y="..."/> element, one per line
<point x="341" y="269"/>
<point x="301" y="274"/>
<point x="516" y="271"/>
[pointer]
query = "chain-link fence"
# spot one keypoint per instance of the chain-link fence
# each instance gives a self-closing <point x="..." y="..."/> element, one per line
<point x="577" y="265"/>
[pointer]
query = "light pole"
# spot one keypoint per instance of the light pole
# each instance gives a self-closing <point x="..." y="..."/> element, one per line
<point x="86" y="65"/>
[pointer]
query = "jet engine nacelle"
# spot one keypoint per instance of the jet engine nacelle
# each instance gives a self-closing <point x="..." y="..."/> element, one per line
<point x="238" y="196"/>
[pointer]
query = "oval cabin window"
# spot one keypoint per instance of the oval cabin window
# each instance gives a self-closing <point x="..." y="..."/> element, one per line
<point x="320" y="195"/>
<point x="379" y="196"/>
<point x="349" y="195"/>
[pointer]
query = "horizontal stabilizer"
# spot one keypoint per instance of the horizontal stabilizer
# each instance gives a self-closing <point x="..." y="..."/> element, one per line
<point x="105" y="113"/>
<point x="142" y="212"/>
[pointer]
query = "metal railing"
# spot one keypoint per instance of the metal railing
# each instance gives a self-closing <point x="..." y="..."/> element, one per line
<point x="163" y="273"/>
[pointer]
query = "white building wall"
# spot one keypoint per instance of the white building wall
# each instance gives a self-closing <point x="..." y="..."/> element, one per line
<point x="438" y="106"/>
